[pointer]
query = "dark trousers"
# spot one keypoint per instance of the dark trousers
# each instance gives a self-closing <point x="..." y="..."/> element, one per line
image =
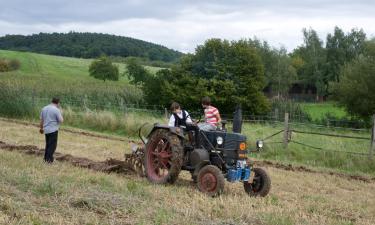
<point x="51" y="144"/>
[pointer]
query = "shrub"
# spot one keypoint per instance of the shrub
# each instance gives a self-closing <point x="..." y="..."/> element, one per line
<point x="103" y="69"/>
<point x="9" y="65"/>
<point x="4" y="66"/>
<point x="14" y="64"/>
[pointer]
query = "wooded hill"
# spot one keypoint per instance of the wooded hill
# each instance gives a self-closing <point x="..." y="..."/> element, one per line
<point x="88" y="45"/>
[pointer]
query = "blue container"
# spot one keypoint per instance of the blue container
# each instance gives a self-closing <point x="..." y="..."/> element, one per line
<point x="239" y="174"/>
<point x="232" y="175"/>
<point x="246" y="174"/>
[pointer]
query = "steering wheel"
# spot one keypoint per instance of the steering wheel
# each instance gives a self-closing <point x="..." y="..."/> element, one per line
<point x="196" y="121"/>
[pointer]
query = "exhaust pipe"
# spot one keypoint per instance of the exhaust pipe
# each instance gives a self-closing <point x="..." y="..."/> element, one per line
<point x="237" y="120"/>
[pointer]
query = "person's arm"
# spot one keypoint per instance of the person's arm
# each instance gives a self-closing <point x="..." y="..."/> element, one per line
<point x="218" y="117"/>
<point x="188" y="118"/>
<point x="41" y="123"/>
<point x="171" y="121"/>
<point x="59" y="116"/>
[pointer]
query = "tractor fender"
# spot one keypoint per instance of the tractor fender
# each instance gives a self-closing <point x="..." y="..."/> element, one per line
<point x="175" y="130"/>
<point x="198" y="167"/>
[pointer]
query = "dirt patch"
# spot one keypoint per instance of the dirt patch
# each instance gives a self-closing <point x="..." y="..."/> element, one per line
<point x="130" y="166"/>
<point x="109" y="165"/>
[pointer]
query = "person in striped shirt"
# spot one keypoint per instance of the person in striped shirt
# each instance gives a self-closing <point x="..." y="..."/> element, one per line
<point x="211" y="115"/>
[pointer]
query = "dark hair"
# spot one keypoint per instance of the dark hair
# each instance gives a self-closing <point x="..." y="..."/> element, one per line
<point x="206" y="100"/>
<point x="175" y="106"/>
<point x="55" y="100"/>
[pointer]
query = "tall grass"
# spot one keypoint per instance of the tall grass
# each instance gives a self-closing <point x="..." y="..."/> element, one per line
<point x="14" y="102"/>
<point x="110" y="122"/>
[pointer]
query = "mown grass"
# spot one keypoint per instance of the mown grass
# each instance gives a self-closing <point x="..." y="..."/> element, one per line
<point x="35" y="193"/>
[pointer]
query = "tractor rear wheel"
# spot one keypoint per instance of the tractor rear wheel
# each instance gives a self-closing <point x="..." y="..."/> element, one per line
<point x="211" y="180"/>
<point x="261" y="184"/>
<point x="163" y="157"/>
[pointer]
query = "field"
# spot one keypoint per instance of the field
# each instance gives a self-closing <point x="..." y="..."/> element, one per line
<point x="324" y="185"/>
<point x="317" y="111"/>
<point x="44" y="76"/>
<point x="35" y="193"/>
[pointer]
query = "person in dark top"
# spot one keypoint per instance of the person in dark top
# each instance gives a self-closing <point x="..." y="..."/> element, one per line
<point x="179" y="116"/>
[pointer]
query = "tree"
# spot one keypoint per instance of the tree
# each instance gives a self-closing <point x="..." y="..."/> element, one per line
<point x="356" y="90"/>
<point x="136" y="72"/>
<point x="342" y="48"/>
<point x="230" y="73"/>
<point x="312" y="54"/>
<point x="103" y="69"/>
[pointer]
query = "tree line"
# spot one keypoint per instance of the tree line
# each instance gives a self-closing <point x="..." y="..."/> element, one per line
<point x="88" y="45"/>
<point x="237" y="72"/>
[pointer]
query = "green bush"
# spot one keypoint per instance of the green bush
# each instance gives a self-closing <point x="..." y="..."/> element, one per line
<point x="103" y="69"/>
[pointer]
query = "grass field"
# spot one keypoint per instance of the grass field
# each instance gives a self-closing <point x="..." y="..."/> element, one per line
<point x="34" y="193"/>
<point x="318" y="111"/>
<point x="46" y="76"/>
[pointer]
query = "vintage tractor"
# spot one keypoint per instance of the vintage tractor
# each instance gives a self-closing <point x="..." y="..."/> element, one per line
<point x="211" y="157"/>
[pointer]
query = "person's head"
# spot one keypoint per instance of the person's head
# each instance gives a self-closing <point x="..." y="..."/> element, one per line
<point x="206" y="101"/>
<point x="175" y="107"/>
<point x="55" y="101"/>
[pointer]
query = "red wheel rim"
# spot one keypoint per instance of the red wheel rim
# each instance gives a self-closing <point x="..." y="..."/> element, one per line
<point x="208" y="182"/>
<point x="159" y="158"/>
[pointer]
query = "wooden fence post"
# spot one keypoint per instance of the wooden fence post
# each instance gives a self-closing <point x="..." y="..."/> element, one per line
<point x="372" y="146"/>
<point x="286" y="130"/>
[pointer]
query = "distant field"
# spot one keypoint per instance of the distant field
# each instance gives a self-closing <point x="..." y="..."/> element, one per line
<point x="67" y="68"/>
<point x="317" y="111"/>
<point x="45" y="76"/>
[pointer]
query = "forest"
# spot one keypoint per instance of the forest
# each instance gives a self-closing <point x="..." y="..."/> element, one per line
<point x="88" y="45"/>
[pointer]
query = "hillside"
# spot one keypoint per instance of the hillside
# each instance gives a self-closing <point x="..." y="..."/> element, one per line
<point x="45" y="76"/>
<point x="87" y="45"/>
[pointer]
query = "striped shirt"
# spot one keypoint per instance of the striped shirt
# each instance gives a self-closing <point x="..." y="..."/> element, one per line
<point x="210" y="115"/>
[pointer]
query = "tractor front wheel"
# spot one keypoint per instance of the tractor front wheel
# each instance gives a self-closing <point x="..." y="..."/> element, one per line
<point x="261" y="184"/>
<point x="210" y="180"/>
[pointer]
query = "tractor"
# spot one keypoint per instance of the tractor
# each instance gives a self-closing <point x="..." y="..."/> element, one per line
<point x="210" y="156"/>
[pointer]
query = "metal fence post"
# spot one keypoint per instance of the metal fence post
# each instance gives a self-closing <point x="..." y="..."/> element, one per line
<point x="286" y="130"/>
<point x="372" y="146"/>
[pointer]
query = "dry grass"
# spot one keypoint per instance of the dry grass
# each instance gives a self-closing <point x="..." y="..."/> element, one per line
<point x="33" y="193"/>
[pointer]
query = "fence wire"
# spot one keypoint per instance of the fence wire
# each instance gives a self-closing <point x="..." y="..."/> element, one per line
<point x="328" y="150"/>
<point x="330" y="135"/>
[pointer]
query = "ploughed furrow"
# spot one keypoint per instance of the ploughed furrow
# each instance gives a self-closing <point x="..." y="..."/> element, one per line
<point x="109" y="165"/>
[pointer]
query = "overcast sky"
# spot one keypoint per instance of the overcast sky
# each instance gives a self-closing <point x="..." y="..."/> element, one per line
<point x="182" y="25"/>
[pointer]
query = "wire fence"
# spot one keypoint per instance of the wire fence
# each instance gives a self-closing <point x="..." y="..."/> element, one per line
<point x="318" y="145"/>
<point x="293" y="124"/>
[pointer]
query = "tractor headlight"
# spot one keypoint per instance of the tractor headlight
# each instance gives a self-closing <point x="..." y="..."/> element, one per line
<point x="219" y="140"/>
<point x="259" y="144"/>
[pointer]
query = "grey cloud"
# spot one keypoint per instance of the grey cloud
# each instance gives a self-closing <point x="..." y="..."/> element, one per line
<point x="58" y="11"/>
<point x="184" y="24"/>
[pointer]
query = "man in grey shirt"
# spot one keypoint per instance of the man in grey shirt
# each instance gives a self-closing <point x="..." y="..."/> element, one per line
<point x="50" y="119"/>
